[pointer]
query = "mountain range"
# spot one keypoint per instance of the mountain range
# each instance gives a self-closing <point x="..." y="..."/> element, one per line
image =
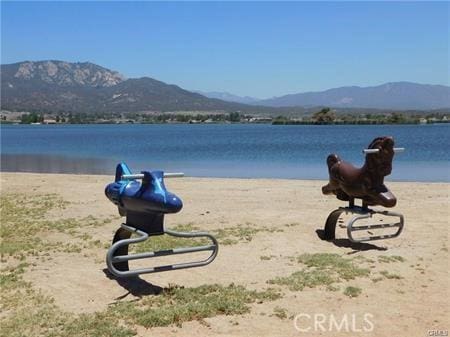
<point x="58" y="86"/>
<point x="396" y="95"/>
<point x="53" y="86"/>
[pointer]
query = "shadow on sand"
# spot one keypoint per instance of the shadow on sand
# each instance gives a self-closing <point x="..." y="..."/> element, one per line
<point x="346" y="243"/>
<point x="134" y="285"/>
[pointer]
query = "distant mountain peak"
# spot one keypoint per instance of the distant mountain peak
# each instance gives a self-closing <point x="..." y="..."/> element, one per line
<point x="67" y="74"/>
<point x="54" y="86"/>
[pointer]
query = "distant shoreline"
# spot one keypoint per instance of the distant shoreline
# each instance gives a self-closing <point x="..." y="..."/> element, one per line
<point x="212" y="178"/>
<point x="368" y="123"/>
<point x="324" y="116"/>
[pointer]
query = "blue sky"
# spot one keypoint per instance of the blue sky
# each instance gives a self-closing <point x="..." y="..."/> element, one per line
<point x="260" y="49"/>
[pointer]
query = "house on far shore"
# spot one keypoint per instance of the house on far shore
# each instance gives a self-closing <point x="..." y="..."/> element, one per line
<point x="259" y="119"/>
<point x="423" y="121"/>
<point x="49" y="121"/>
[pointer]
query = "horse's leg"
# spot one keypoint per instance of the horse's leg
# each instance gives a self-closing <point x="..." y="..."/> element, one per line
<point x="384" y="198"/>
<point x="388" y="199"/>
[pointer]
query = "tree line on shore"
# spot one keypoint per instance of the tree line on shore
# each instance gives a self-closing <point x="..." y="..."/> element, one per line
<point x="324" y="116"/>
<point x="114" y="118"/>
<point x="328" y="117"/>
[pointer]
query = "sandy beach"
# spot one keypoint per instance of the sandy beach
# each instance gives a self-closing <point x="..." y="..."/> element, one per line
<point x="406" y="295"/>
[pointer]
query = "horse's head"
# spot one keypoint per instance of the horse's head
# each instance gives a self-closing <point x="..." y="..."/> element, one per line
<point x="380" y="163"/>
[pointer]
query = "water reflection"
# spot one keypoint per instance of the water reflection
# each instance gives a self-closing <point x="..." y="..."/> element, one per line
<point x="241" y="150"/>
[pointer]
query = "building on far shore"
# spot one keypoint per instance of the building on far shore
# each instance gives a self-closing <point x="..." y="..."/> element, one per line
<point x="49" y="121"/>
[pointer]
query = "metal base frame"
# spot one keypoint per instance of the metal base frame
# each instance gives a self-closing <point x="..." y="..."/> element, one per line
<point x="362" y="213"/>
<point x="117" y="256"/>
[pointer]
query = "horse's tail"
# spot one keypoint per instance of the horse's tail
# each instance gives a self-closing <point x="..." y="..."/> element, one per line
<point x="332" y="186"/>
<point x="331" y="160"/>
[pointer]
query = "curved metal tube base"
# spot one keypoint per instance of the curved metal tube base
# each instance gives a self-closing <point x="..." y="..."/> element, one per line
<point x="359" y="214"/>
<point x="117" y="256"/>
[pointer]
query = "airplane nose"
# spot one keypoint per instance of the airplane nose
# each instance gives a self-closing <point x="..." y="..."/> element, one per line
<point x="173" y="203"/>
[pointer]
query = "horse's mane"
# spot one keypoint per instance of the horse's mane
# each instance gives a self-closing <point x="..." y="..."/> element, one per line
<point x="375" y="142"/>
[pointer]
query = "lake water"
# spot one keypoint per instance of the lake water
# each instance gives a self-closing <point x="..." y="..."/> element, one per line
<point x="221" y="150"/>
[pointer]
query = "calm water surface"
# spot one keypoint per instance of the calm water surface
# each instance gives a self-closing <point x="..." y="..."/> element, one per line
<point x="220" y="150"/>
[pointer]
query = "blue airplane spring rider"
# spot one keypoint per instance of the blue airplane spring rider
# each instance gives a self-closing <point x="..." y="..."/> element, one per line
<point x="144" y="200"/>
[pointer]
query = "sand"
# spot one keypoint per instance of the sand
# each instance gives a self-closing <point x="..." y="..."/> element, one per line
<point x="410" y="306"/>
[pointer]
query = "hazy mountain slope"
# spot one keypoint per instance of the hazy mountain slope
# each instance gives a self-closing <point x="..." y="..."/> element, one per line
<point x="226" y="96"/>
<point x="398" y="95"/>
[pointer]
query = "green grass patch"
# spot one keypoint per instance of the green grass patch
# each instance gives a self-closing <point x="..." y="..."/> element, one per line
<point x="322" y="269"/>
<point x="361" y="258"/>
<point x="345" y="269"/>
<point x="25" y="225"/>
<point x="164" y="242"/>
<point x="23" y="217"/>
<point x="267" y="257"/>
<point x="176" y="305"/>
<point x="304" y="279"/>
<point x="279" y="312"/>
<point x="27" y="312"/>
<point x="352" y="291"/>
<point x="13" y="287"/>
<point x="46" y="319"/>
<point x="390" y="259"/>
<point x="225" y="236"/>
<point x="390" y="276"/>
<point x="332" y="287"/>
<point x="241" y="233"/>
<point x="97" y="324"/>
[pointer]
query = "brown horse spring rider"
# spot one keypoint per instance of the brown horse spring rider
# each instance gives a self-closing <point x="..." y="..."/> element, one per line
<point x="367" y="183"/>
